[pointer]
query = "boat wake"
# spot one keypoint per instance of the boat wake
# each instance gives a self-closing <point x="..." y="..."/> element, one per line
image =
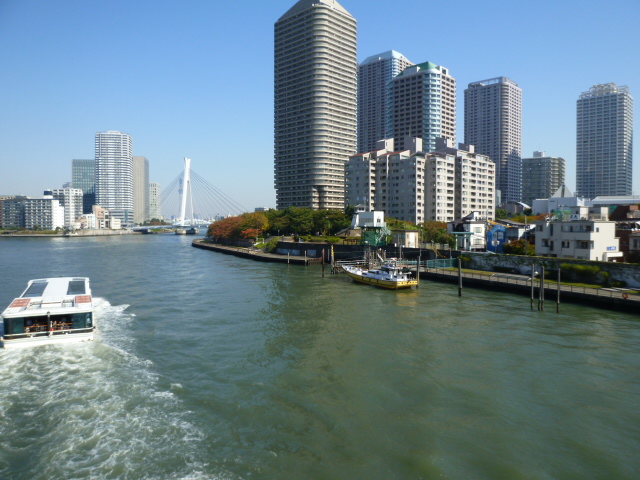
<point x="94" y="410"/>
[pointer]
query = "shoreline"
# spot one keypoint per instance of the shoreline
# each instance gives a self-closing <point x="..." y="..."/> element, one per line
<point x="610" y="299"/>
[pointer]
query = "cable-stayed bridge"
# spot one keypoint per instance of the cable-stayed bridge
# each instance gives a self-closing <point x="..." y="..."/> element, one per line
<point x="190" y="200"/>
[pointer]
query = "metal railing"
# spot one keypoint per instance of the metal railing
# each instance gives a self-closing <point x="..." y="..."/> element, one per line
<point x="625" y="294"/>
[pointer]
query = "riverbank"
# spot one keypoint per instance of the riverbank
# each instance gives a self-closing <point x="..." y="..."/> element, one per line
<point x="256" y="254"/>
<point x="620" y="299"/>
<point x="77" y="233"/>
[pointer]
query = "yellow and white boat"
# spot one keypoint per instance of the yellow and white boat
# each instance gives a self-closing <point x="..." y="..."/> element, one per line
<point x="390" y="275"/>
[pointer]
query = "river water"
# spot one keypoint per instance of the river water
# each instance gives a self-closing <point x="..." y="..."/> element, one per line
<point x="208" y="366"/>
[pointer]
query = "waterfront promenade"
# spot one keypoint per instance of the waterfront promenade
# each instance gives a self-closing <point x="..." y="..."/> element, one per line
<point x="623" y="299"/>
<point x="256" y="254"/>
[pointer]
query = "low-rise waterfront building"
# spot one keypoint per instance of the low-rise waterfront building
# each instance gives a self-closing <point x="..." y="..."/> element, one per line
<point x="12" y="208"/>
<point x="44" y="213"/>
<point x="72" y="201"/>
<point x="578" y="232"/>
<point x="470" y="232"/>
<point x="561" y="199"/>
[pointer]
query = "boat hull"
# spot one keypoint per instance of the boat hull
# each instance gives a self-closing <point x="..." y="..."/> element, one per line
<point x="388" y="284"/>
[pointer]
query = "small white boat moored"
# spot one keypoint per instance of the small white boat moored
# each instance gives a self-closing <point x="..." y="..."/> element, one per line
<point x="50" y="310"/>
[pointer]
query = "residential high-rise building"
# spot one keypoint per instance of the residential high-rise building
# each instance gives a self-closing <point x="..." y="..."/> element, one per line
<point x="422" y="103"/>
<point x="71" y="199"/>
<point x="414" y="186"/>
<point x="493" y="124"/>
<point x="474" y="184"/>
<point x="374" y="77"/>
<point x="604" y="151"/>
<point x="140" y="190"/>
<point x="83" y="176"/>
<point x="114" y="174"/>
<point x="544" y="175"/>
<point x="155" y="210"/>
<point x="315" y="111"/>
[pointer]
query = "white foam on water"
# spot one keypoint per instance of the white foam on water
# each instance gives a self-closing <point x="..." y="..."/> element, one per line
<point x="93" y="410"/>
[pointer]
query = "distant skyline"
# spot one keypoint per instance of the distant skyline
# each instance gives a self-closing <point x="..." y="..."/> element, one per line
<point x="195" y="79"/>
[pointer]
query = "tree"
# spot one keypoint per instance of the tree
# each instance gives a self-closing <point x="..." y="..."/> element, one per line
<point x="255" y="220"/>
<point x="254" y="233"/>
<point x="227" y="228"/>
<point x="436" y="232"/>
<point x="501" y="213"/>
<point x="519" y="247"/>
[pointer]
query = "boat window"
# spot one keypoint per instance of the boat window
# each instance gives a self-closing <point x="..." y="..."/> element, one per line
<point x="36" y="289"/>
<point x="13" y="326"/>
<point x="76" y="287"/>
<point x="80" y="320"/>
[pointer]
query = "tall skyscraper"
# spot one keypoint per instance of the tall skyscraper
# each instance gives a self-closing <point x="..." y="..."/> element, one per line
<point x="374" y="77"/>
<point x="83" y="176"/>
<point x="114" y="174"/>
<point x="604" y="141"/>
<point x="422" y="103"/>
<point x="315" y="103"/>
<point x="155" y="210"/>
<point x="493" y="124"/>
<point x="544" y="176"/>
<point x="140" y="189"/>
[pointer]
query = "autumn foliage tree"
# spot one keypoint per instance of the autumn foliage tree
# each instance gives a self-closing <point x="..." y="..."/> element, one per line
<point x="227" y="228"/>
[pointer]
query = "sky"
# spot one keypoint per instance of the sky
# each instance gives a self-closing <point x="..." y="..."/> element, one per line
<point x="194" y="78"/>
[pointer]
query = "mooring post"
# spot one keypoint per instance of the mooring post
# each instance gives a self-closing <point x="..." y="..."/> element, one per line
<point x="459" y="278"/>
<point x="323" y="263"/>
<point x="418" y="271"/>
<point x="533" y="278"/>
<point x="288" y="260"/>
<point x="558" y="301"/>
<point x="541" y="301"/>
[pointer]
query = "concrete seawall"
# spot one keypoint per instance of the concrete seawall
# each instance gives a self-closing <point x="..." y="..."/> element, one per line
<point x="255" y="254"/>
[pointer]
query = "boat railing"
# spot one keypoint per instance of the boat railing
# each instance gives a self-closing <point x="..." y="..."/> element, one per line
<point x="48" y="333"/>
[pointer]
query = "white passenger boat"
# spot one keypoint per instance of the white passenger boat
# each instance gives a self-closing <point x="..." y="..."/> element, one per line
<point x="390" y="275"/>
<point x="50" y="310"/>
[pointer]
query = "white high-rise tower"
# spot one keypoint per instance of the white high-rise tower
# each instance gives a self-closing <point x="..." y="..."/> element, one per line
<point x="604" y="151"/>
<point x="114" y="174"/>
<point x="315" y="113"/>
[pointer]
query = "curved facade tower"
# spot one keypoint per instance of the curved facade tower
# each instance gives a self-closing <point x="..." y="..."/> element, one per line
<point x="604" y="150"/>
<point x="315" y="103"/>
<point x="374" y="75"/>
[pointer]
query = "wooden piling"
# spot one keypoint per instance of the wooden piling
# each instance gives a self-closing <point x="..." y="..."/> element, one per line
<point x="533" y="279"/>
<point x="558" y="300"/>
<point x="541" y="300"/>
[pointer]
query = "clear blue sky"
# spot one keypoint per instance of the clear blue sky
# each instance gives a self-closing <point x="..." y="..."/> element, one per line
<point x="195" y="77"/>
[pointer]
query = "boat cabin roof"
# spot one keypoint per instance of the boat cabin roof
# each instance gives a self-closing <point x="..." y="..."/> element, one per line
<point x="56" y="287"/>
<point x="64" y="294"/>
